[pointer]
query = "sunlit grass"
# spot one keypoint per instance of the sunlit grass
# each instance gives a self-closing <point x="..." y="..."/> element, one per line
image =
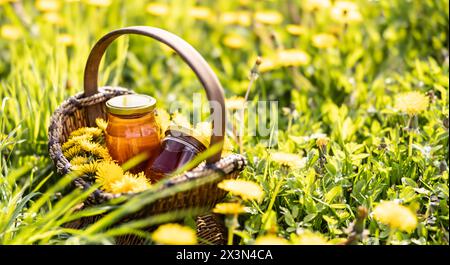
<point x="335" y="76"/>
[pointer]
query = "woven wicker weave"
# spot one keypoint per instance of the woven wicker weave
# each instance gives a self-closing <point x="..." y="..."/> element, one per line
<point x="82" y="109"/>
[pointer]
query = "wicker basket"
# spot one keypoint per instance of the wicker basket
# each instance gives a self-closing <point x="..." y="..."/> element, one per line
<point x="82" y="110"/>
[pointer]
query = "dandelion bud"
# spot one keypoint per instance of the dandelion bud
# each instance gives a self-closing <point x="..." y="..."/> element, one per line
<point x="322" y="142"/>
<point x="362" y="212"/>
<point x="258" y="60"/>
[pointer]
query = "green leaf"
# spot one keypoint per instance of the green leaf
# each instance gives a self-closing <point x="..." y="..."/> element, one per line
<point x="308" y="218"/>
<point x="409" y="182"/>
<point x="332" y="194"/>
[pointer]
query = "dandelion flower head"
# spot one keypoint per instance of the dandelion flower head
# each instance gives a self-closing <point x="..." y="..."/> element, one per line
<point x="48" y="5"/>
<point x="395" y="216"/>
<point x="130" y="183"/>
<point x="295" y="30"/>
<point x="53" y="18"/>
<point x="174" y="234"/>
<point x="157" y="9"/>
<point x="271" y="240"/>
<point x="247" y="190"/>
<point x="411" y="103"/>
<point x="200" y="13"/>
<point x="108" y="172"/>
<point x="78" y="160"/>
<point x="324" y="40"/>
<point x="229" y="208"/>
<point x="234" y="41"/>
<point x="235" y="103"/>
<point x="346" y="12"/>
<point x="98" y="3"/>
<point x="10" y="32"/>
<point x="288" y="159"/>
<point x="101" y="123"/>
<point x="179" y="119"/>
<point x="322" y="141"/>
<point x="309" y="238"/>
<point x="241" y="18"/>
<point x="163" y="118"/>
<point x="293" y="57"/>
<point x="269" y="17"/>
<point x="314" y="5"/>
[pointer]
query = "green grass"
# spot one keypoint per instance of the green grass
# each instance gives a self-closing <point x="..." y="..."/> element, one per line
<point x="346" y="92"/>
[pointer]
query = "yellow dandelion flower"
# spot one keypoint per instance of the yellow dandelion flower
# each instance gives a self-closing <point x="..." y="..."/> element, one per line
<point x="174" y="234"/>
<point x="108" y="173"/>
<point x="228" y="18"/>
<point x="293" y="57"/>
<point x="157" y="9"/>
<point x="101" y="123"/>
<point x="296" y="30"/>
<point x="73" y="152"/>
<point x="324" y="40"/>
<point x="65" y="39"/>
<point x="234" y="41"/>
<point x="322" y="141"/>
<point x="243" y="18"/>
<point x="334" y="30"/>
<point x="48" y="5"/>
<point x="288" y="159"/>
<point x="203" y="129"/>
<point x="395" y="216"/>
<point x="163" y="119"/>
<point x="98" y="3"/>
<point x="346" y="12"/>
<point x="247" y="190"/>
<point x="53" y="18"/>
<point x="269" y="17"/>
<point x="235" y="103"/>
<point x="203" y="132"/>
<point x="200" y="13"/>
<point x="227" y="147"/>
<point x="87" y="145"/>
<point x="268" y="64"/>
<point x="239" y="18"/>
<point x="7" y="1"/>
<point x="411" y="103"/>
<point x="10" y="32"/>
<point x="82" y="144"/>
<point x="78" y="160"/>
<point x="309" y="238"/>
<point x="181" y="120"/>
<point x="101" y="152"/>
<point x="76" y="140"/>
<point x="314" y="5"/>
<point x="130" y="183"/>
<point x="229" y="208"/>
<point x="94" y="131"/>
<point x="271" y="240"/>
<point x="88" y="168"/>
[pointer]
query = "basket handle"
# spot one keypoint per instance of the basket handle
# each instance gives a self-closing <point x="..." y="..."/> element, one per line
<point x="195" y="61"/>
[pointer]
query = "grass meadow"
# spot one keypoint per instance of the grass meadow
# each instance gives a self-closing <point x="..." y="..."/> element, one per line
<point x="360" y="149"/>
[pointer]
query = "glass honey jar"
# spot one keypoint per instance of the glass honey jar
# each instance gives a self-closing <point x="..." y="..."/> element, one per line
<point x="179" y="146"/>
<point x="132" y="129"/>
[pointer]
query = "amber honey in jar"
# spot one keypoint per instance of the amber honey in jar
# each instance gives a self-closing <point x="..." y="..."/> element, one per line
<point x="132" y="129"/>
<point x="179" y="146"/>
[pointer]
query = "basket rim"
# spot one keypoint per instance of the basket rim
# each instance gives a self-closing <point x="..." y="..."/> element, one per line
<point x="225" y="166"/>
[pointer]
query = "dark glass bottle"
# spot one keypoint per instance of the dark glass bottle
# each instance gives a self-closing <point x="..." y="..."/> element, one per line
<point x="179" y="146"/>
